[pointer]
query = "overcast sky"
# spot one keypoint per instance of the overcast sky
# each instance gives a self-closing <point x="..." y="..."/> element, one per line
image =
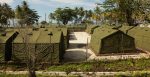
<point x="47" y="6"/>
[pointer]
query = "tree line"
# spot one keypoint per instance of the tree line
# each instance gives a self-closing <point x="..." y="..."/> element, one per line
<point x="22" y="14"/>
<point x="132" y="12"/>
<point x="76" y="15"/>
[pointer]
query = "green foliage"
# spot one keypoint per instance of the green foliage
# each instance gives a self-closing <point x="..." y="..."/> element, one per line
<point x="117" y="65"/>
<point x="11" y="75"/>
<point x="77" y="15"/>
<point x="71" y="67"/>
<point x="130" y="11"/>
<point x="25" y="75"/>
<point x="26" y="15"/>
<point x="63" y="14"/>
<point x="43" y="22"/>
<point x="6" y="13"/>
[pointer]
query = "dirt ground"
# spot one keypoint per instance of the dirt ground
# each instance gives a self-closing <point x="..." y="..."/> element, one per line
<point x="78" y="50"/>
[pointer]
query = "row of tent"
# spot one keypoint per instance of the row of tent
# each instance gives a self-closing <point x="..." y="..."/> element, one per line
<point x="124" y="39"/>
<point x="46" y="44"/>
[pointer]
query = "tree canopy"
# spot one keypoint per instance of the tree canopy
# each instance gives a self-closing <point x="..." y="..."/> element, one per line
<point x="131" y="11"/>
<point x="76" y="15"/>
<point x="6" y="13"/>
<point x="26" y="15"/>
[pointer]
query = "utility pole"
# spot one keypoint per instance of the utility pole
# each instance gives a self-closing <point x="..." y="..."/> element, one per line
<point x="51" y="34"/>
<point x="87" y="49"/>
<point x="45" y="16"/>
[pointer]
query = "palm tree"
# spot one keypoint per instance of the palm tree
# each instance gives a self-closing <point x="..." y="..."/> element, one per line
<point x="0" y="14"/>
<point x="81" y="13"/>
<point x="76" y="15"/>
<point x="19" y="14"/>
<point x="51" y="17"/>
<point x="26" y="15"/>
<point x="5" y="14"/>
<point x="97" y="13"/>
<point x="89" y="14"/>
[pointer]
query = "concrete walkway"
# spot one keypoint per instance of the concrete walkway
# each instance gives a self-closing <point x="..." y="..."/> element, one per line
<point x="79" y="38"/>
<point x="77" y="49"/>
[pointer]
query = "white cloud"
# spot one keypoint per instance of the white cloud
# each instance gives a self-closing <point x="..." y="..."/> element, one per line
<point x="6" y="1"/>
<point x="42" y="2"/>
<point x="68" y="1"/>
<point x="64" y="3"/>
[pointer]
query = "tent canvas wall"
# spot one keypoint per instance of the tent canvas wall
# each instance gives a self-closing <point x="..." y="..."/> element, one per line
<point x="105" y="40"/>
<point x="6" y="44"/>
<point x="141" y="35"/>
<point x="50" y="49"/>
<point x="39" y="43"/>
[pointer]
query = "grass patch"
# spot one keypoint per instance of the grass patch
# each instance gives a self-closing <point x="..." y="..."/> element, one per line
<point x="72" y="67"/>
<point x="25" y="75"/>
<point x="118" y="65"/>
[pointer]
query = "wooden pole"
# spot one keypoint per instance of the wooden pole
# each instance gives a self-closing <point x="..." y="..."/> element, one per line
<point x="86" y="49"/>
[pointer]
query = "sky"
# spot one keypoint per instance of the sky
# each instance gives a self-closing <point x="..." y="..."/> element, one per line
<point x="48" y="6"/>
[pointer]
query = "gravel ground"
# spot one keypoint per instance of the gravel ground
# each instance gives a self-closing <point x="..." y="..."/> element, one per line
<point x="78" y="52"/>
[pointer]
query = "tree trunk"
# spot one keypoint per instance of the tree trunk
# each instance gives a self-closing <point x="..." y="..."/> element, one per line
<point x="32" y="73"/>
<point x="129" y="18"/>
<point x="31" y="65"/>
<point x="65" y="22"/>
<point x="13" y="21"/>
<point x="96" y="20"/>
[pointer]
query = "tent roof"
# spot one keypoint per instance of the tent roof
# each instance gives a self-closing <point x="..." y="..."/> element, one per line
<point x="102" y="32"/>
<point x="136" y="31"/>
<point x="9" y="33"/>
<point x="64" y="30"/>
<point x="99" y="34"/>
<point x="45" y="38"/>
<point x="40" y="36"/>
